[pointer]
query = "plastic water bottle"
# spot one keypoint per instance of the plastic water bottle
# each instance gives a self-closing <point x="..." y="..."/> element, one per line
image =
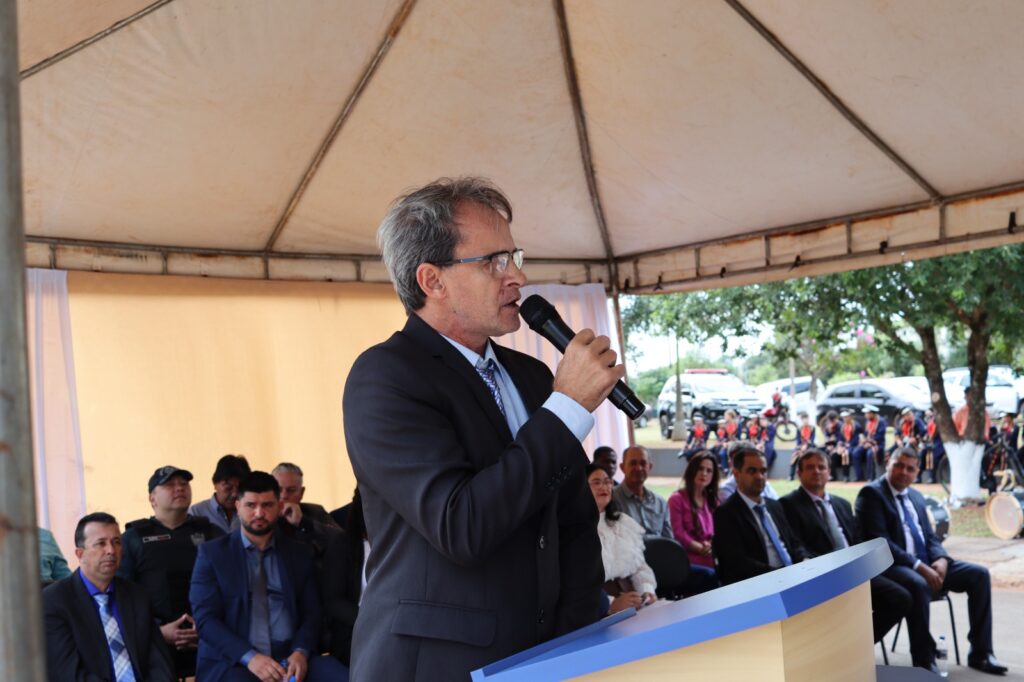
<point x="942" y="656"/>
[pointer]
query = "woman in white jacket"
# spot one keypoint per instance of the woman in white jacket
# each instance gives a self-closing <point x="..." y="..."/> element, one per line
<point x="627" y="576"/>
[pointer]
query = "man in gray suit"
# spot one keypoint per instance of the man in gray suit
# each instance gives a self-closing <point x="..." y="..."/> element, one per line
<point x="468" y="454"/>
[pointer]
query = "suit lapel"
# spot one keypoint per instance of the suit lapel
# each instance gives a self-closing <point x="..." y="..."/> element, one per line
<point x="442" y="350"/>
<point x="87" y="606"/>
<point x="901" y="538"/>
<point x="813" y="510"/>
<point x="126" y="608"/>
<point x="533" y="395"/>
<point x="286" y="569"/>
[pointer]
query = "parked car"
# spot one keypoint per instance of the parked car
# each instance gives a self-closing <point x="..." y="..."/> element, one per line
<point x="888" y="395"/>
<point x="800" y="401"/>
<point x="998" y="391"/>
<point x="709" y="393"/>
<point x="1008" y="373"/>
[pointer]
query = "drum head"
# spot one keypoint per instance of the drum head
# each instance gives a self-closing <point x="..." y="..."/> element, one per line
<point x="1004" y="515"/>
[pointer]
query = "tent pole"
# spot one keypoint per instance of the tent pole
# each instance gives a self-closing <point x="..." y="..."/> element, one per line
<point x="622" y="348"/>
<point x="22" y="656"/>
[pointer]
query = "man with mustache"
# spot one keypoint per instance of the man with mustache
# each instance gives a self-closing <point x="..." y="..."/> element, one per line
<point x="468" y="454"/>
<point x="255" y="599"/>
<point x="99" y="626"/>
<point x="159" y="553"/>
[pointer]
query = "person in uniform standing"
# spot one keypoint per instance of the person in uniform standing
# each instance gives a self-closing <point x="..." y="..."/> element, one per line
<point x="159" y="553"/>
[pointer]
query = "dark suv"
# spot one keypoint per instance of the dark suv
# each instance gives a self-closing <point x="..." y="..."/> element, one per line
<point x="889" y="396"/>
<point x="709" y="393"/>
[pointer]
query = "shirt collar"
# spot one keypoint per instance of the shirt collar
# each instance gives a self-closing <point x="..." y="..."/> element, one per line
<point x="645" y="493"/>
<point x="471" y="355"/>
<point x="895" y="493"/>
<point x="750" y="503"/>
<point x="815" y="497"/>
<point x="92" y="589"/>
<point x="247" y="543"/>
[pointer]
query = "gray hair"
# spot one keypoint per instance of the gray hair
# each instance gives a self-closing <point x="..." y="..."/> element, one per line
<point x="287" y="467"/>
<point x="420" y="228"/>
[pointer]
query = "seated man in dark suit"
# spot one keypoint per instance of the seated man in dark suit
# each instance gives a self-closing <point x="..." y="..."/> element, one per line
<point x="752" y="535"/>
<point x="255" y="599"/>
<point x="889" y="508"/>
<point x="99" y="626"/>
<point x="289" y="477"/>
<point x="825" y="523"/>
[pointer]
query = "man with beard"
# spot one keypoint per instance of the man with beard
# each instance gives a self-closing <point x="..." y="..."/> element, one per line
<point x="255" y="599"/>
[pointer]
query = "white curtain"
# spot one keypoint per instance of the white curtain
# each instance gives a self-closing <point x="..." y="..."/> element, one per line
<point x="582" y="306"/>
<point x="60" y="485"/>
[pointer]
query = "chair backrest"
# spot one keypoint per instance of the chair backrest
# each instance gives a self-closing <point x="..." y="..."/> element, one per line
<point x="671" y="567"/>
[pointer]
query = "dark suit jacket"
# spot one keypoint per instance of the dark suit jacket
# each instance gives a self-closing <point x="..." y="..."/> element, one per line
<point x="342" y="587"/>
<point x="806" y="522"/>
<point x="484" y="545"/>
<point x="738" y="545"/>
<point x="221" y="604"/>
<point x="76" y="647"/>
<point x="879" y="518"/>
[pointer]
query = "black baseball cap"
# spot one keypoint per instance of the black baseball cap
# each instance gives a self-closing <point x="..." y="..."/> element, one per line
<point x="164" y="474"/>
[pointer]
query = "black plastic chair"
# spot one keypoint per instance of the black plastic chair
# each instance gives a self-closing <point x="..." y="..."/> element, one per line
<point x="952" y="624"/>
<point x="671" y="566"/>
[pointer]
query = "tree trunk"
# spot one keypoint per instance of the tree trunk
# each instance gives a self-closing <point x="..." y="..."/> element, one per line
<point x="964" y="470"/>
<point x="933" y="371"/>
<point x="679" y="424"/>
<point x="977" y="362"/>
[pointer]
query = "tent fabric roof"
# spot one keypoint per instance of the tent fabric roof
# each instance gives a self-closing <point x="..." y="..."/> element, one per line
<point x="639" y="143"/>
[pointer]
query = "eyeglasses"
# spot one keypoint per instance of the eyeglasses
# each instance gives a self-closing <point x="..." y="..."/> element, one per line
<point x="498" y="260"/>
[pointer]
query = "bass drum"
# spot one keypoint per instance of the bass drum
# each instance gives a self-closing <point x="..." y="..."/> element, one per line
<point x="1005" y="514"/>
<point x="938" y="514"/>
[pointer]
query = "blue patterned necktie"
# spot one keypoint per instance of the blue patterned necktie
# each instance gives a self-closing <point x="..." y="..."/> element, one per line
<point x="920" y="551"/>
<point x="122" y="661"/>
<point x="773" y="536"/>
<point x="486" y="369"/>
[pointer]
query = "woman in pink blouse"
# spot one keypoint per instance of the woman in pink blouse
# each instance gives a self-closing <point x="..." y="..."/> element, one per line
<point x="690" y="510"/>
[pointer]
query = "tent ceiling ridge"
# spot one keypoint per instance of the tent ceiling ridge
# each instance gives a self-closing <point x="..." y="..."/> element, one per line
<point x="82" y="44"/>
<point x="371" y="68"/>
<point x="904" y="252"/>
<point x="812" y="225"/>
<point x="834" y="100"/>
<point x="586" y="158"/>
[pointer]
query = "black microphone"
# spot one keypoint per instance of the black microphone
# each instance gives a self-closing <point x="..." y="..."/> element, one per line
<point x="545" y="320"/>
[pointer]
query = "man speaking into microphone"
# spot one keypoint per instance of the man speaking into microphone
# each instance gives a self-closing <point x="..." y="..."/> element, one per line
<point x="483" y="533"/>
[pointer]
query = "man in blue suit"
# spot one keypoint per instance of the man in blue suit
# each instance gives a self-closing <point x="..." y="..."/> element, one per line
<point x="867" y="455"/>
<point x="889" y="508"/>
<point x="254" y="598"/>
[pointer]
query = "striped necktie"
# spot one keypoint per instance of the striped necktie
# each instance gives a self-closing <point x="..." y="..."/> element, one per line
<point x="773" y="537"/>
<point x="122" y="661"/>
<point x="486" y="369"/>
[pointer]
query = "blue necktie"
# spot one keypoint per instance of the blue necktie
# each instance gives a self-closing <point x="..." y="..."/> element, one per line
<point x="259" y="623"/>
<point x="486" y="369"/>
<point x="122" y="661"/>
<point x="773" y="536"/>
<point x="920" y="551"/>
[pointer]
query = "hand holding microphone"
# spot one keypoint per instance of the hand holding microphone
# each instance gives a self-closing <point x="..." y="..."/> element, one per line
<point x="587" y="373"/>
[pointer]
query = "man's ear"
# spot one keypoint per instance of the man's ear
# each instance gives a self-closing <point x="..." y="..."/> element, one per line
<point x="428" y="276"/>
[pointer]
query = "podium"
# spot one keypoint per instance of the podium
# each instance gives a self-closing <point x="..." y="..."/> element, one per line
<point x="808" y="621"/>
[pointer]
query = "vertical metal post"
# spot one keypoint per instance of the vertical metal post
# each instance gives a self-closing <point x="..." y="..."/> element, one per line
<point x="22" y="655"/>
<point x="630" y="434"/>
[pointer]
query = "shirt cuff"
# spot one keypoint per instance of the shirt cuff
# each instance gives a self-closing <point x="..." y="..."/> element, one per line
<point x="303" y="652"/>
<point x="917" y="562"/>
<point x="248" y="656"/>
<point x="573" y="415"/>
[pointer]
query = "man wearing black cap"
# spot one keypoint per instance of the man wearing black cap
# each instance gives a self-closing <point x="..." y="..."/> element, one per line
<point x="159" y="553"/>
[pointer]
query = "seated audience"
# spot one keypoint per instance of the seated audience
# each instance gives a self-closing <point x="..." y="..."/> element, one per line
<point x="255" y="598"/>
<point x="825" y="523"/>
<point x="52" y="565"/>
<point x="647" y="508"/>
<point x="220" y="508"/>
<point x="289" y="477"/>
<point x="804" y="440"/>
<point x="727" y="487"/>
<point x="729" y="431"/>
<point x="344" y="577"/>
<point x="606" y="458"/>
<point x="752" y="535"/>
<point x="890" y="508"/>
<point x="628" y="578"/>
<point x="159" y="553"/>
<point x="99" y="626"/>
<point x="868" y="454"/>
<point x="847" y="440"/>
<point x="690" y="510"/>
<point x="696" y="439"/>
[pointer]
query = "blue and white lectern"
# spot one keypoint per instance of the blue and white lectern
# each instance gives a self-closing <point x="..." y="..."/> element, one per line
<point x="809" y="621"/>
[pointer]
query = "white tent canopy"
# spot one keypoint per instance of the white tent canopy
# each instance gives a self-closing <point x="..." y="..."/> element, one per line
<point x="687" y="143"/>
